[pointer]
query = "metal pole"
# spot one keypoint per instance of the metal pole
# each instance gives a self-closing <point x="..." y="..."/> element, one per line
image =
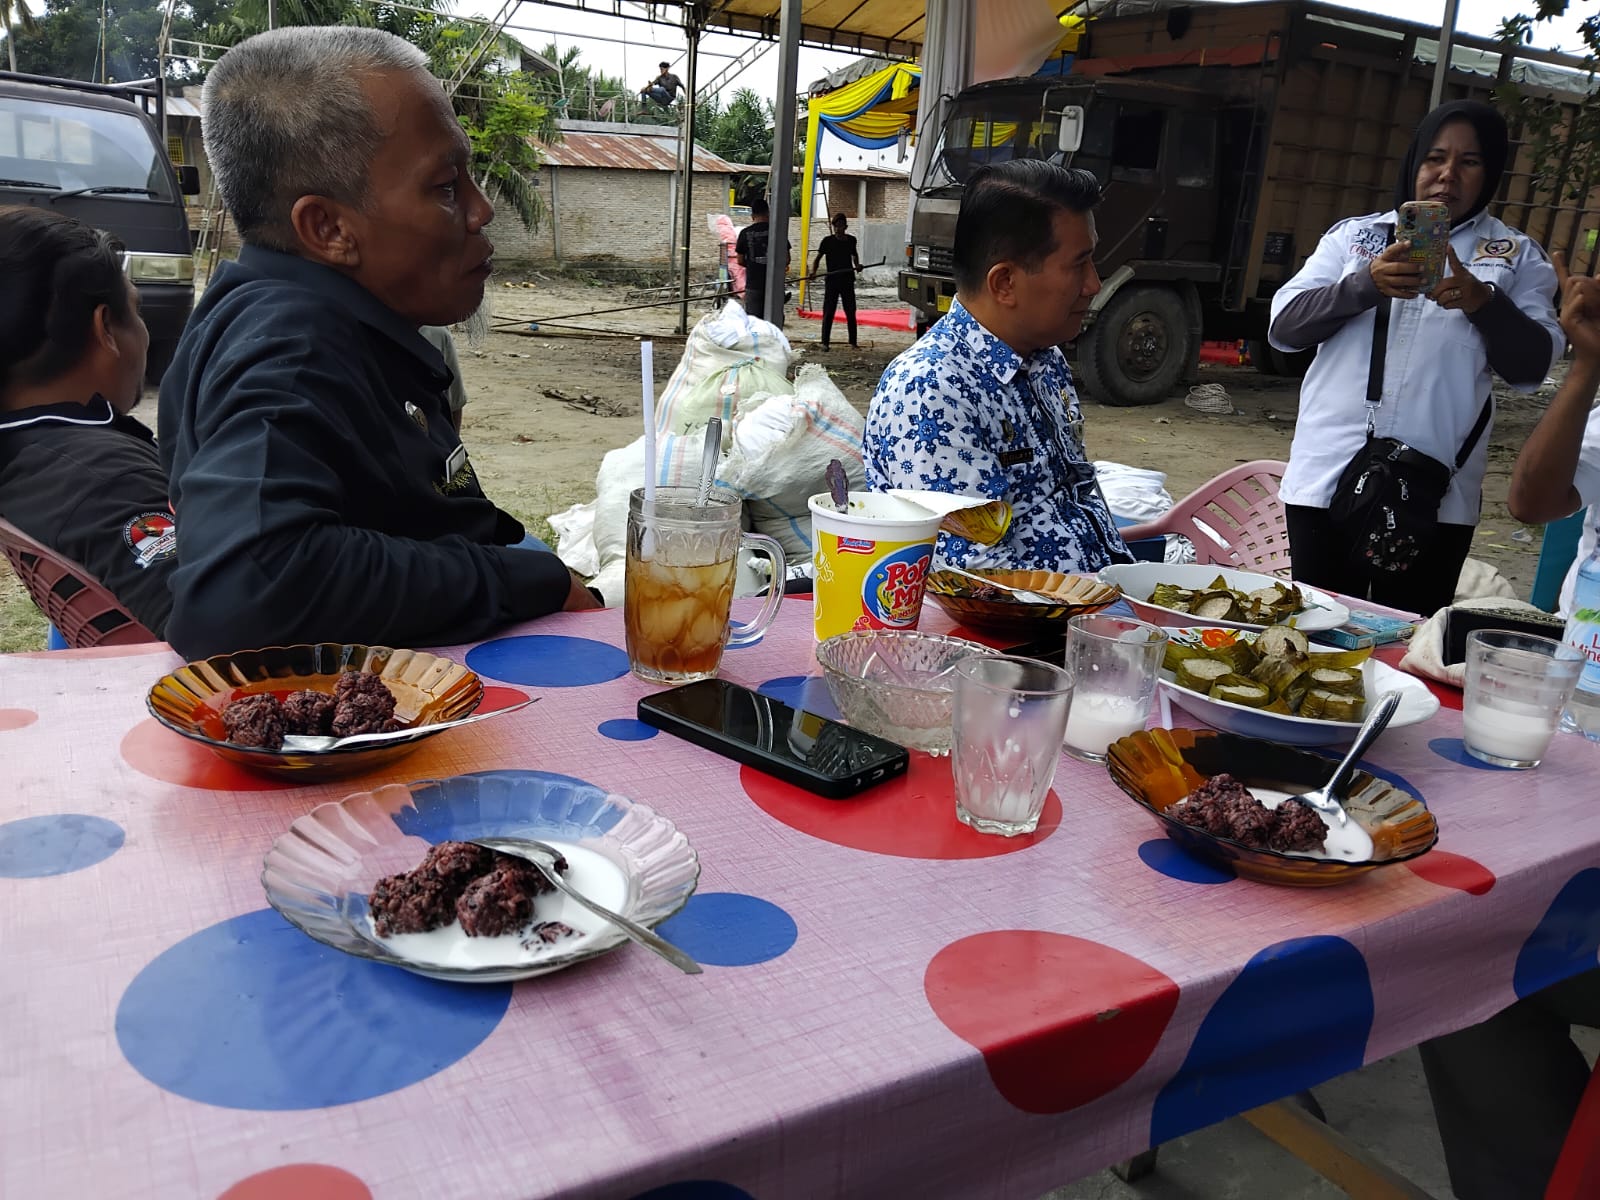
<point x="1447" y="33"/>
<point x="272" y="14"/>
<point x="691" y="19"/>
<point x="782" y="176"/>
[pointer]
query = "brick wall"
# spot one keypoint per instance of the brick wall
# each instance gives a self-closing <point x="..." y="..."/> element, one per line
<point x="605" y="216"/>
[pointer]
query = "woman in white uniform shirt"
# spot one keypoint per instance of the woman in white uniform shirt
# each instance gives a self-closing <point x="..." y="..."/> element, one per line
<point x="1492" y="313"/>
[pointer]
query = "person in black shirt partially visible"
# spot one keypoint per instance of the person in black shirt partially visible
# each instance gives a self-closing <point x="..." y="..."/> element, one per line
<point x="839" y="285"/>
<point x="78" y="474"/>
<point x="753" y="252"/>
<point x="322" y="490"/>
<point x="664" y="88"/>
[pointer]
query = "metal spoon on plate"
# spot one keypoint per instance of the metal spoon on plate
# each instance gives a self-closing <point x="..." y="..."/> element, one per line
<point x="544" y="858"/>
<point x="1020" y="593"/>
<point x="1326" y="798"/>
<point x="298" y="742"/>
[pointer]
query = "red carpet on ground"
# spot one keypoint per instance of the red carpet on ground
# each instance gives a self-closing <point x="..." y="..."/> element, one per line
<point x="878" y="318"/>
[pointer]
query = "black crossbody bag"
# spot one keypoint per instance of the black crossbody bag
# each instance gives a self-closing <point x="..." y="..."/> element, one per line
<point x="1387" y="499"/>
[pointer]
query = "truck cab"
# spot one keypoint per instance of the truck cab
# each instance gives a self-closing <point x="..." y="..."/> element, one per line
<point x="94" y="152"/>
<point x="1154" y="148"/>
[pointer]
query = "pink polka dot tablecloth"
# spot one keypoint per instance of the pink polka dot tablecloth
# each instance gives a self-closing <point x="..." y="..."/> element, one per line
<point x="892" y="1004"/>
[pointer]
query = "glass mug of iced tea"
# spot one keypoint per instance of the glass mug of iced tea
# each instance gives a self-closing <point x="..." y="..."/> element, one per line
<point x="680" y="584"/>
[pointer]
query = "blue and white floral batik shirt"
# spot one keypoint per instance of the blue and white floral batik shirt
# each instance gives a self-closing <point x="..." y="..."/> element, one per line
<point x="962" y="412"/>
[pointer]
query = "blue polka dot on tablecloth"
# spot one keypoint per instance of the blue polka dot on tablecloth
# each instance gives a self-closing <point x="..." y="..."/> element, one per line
<point x="56" y="843"/>
<point x="695" y="1189"/>
<point x="806" y="692"/>
<point x="1566" y="941"/>
<point x="488" y="803"/>
<point x="1170" y="859"/>
<point x="250" y="1013"/>
<point x="626" y="729"/>
<point x="548" y="660"/>
<point x="729" y="929"/>
<point x="1455" y="750"/>
<point x="1336" y="753"/>
<point x="1318" y="998"/>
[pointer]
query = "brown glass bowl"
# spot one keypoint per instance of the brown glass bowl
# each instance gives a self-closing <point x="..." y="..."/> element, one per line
<point x="1159" y="767"/>
<point x="1078" y="594"/>
<point x="427" y="689"/>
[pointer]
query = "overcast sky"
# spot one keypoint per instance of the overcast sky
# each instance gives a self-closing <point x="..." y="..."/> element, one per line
<point x="635" y="46"/>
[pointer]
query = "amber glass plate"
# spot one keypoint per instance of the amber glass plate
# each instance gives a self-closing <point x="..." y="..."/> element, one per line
<point x="427" y="689"/>
<point x="1159" y="767"/>
<point x="1004" y="613"/>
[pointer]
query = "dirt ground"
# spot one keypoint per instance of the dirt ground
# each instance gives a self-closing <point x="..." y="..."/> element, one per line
<point x="546" y="405"/>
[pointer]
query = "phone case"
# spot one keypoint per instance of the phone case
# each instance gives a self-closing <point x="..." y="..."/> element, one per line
<point x="652" y="712"/>
<point x="1426" y="225"/>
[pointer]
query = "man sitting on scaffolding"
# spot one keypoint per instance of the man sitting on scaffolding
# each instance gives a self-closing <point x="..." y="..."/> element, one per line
<point x="664" y="88"/>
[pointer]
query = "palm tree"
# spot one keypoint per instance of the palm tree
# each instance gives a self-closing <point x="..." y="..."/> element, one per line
<point x="14" y="14"/>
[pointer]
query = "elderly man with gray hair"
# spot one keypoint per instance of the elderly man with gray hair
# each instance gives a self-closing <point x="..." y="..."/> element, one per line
<point x="324" y="493"/>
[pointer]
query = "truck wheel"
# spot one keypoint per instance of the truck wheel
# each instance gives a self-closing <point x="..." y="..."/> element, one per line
<point x="1137" y="349"/>
<point x="1269" y="360"/>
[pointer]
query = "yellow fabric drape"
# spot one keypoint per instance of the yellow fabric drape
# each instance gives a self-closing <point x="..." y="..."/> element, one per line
<point x="883" y="122"/>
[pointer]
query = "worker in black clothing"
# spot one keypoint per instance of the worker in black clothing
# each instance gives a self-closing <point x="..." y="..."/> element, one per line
<point x="753" y="253"/>
<point x="664" y="88"/>
<point x="839" y="285"/>
<point x="323" y="492"/>
<point x="78" y="474"/>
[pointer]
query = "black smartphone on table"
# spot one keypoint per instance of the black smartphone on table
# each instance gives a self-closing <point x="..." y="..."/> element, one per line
<point x="793" y="745"/>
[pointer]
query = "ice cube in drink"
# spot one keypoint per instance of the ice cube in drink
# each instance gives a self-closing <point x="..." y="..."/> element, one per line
<point x="676" y="617"/>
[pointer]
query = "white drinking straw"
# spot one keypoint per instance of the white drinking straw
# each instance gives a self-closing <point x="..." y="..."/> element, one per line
<point x="647" y="539"/>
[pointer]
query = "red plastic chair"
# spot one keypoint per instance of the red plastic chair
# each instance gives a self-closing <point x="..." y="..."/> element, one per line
<point x="1235" y="520"/>
<point x="1577" y="1173"/>
<point x="73" y="600"/>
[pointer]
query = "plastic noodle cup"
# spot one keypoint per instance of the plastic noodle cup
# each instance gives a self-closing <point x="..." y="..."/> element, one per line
<point x="871" y="562"/>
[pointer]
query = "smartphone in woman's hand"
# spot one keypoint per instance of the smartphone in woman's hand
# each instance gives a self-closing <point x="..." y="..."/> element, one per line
<point x="1425" y="225"/>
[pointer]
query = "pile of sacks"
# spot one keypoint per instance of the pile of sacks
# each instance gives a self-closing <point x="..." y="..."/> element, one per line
<point x="777" y="440"/>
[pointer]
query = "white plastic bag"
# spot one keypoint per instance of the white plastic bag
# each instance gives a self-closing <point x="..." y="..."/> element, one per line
<point x="782" y="445"/>
<point x="1133" y="493"/>
<point x="728" y="355"/>
<point x="575" y="538"/>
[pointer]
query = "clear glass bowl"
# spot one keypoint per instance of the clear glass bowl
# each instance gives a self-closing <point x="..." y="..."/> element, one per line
<point x="896" y="683"/>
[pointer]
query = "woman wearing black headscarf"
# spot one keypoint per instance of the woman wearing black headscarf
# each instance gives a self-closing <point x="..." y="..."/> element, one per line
<point x="1492" y="312"/>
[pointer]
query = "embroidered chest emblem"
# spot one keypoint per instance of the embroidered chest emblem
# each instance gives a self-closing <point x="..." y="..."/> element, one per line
<point x="1502" y="250"/>
<point x="1007" y="429"/>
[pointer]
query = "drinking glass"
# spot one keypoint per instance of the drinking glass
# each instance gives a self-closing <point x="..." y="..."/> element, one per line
<point x="1114" y="663"/>
<point x="1009" y="716"/>
<point x="679" y="584"/>
<point x="1516" y="687"/>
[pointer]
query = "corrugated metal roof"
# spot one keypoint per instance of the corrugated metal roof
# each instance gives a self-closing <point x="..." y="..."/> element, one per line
<point x="628" y="152"/>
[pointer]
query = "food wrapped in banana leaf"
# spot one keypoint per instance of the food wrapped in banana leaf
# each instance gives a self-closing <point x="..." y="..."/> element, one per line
<point x="1240" y="689"/>
<point x="1217" y="604"/>
<point x="1322" y="705"/>
<point x="1199" y="674"/>
<point x="1278" y="674"/>
<point x="1283" y="641"/>
<point x="1240" y="655"/>
<point x="1177" y="652"/>
<point x="1343" y="680"/>
<point x="1170" y="595"/>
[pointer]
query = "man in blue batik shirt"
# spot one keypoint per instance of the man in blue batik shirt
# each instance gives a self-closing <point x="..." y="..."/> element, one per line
<point x="983" y="405"/>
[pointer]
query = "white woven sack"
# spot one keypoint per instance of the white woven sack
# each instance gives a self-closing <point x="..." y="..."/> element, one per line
<point x="729" y="354"/>
<point x="782" y="445"/>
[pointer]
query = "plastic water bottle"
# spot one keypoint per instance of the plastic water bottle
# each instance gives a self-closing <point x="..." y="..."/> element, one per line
<point x="1583" y="631"/>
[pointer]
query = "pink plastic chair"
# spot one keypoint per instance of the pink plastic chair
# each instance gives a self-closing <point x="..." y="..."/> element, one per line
<point x="1235" y="520"/>
<point x="75" y="602"/>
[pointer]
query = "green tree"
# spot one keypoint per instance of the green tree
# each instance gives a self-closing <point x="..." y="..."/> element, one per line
<point x="502" y="125"/>
<point x="741" y="132"/>
<point x="14" y="15"/>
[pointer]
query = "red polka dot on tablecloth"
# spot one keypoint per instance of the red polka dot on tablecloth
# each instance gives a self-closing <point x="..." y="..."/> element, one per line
<point x="1455" y="871"/>
<point x="301" y="1181"/>
<point x="154" y="750"/>
<point x="913" y="816"/>
<point x="495" y="698"/>
<point x="16" y="718"/>
<point x="1060" y="1020"/>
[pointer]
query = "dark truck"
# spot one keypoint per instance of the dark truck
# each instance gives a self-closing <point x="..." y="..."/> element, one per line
<point x="94" y="152"/>
<point x="1227" y="139"/>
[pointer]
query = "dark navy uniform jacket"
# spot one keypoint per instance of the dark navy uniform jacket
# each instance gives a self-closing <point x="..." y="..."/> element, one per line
<point x="87" y="483"/>
<point x="320" y="488"/>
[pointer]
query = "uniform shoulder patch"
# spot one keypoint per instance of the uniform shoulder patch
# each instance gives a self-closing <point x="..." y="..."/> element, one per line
<point x="1496" y="250"/>
<point x="151" y="537"/>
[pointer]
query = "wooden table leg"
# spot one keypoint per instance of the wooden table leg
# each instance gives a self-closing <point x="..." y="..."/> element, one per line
<point x="1330" y="1154"/>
